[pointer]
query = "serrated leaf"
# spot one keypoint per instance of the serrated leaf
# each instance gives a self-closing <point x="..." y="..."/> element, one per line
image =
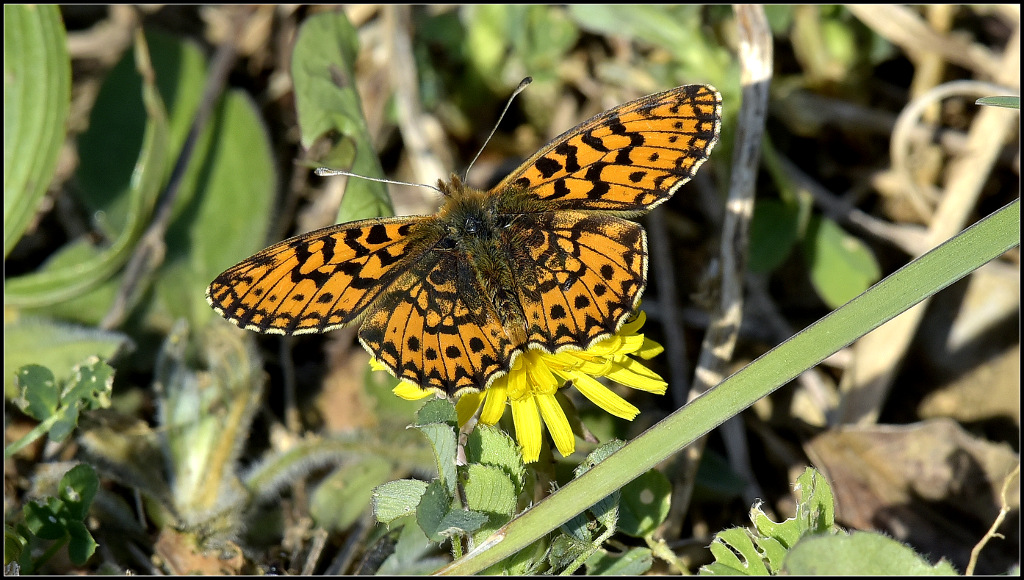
<point x="488" y="489"/>
<point x="396" y="499"/>
<point x="37" y="98"/>
<point x="490" y="445"/>
<point x="644" y="504"/>
<point x="734" y="549"/>
<point x="859" y="554"/>
<point x="841" y="266"/>
<point x="323" y="61"/>
<point x="437" y="411"/>
<point x="434" y="506"/>
<point x="443" y="441"/>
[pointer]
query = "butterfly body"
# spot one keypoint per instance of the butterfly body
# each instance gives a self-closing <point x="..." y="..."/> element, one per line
<point x="545" y="259"/>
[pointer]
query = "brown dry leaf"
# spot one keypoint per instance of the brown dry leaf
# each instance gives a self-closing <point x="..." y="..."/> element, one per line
<point x="930" y="484"/>
<point x="181" y="555"/>
<point x="343" y="403"/>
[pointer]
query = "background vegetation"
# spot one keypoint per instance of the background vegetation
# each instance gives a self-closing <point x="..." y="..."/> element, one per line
<point x="214" y="450"/>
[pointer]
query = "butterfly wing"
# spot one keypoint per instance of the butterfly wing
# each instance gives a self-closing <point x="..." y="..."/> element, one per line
<point x="435" y="329"/>
<point x="320" y="280"/>
<point x="579" y="275"/>
<point x="627" y="159"/>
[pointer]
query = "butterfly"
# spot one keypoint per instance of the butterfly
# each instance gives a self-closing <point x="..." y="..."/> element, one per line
<point x="545" y="259"/>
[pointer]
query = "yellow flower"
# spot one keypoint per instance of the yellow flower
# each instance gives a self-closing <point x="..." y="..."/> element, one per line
<point x="535" y="376"/>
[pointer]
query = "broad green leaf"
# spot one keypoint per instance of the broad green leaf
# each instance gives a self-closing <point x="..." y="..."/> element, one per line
<point x="859" y="554"/>
<point x="327" y="103"/>
<point x="233" y="167"/>
<point x="38" y="391"/>
<point x="434" y="507"/>
<point x="774" y="231"/>
<point x="49" y="286"/>
<point x="489" y="445"/>
<point x="343" y="496"/>
<point x="443" y="441"/>
<point x="634" y="562"/>
<point x="644" y="504"/>
<point x="841" y="266"/>
<point x="37" y="97"/>
<point x="396" y="499"/>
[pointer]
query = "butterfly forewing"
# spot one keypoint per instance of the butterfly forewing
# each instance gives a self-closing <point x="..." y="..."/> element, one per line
<point x="316" y="281"/>
<point x="628" y="159"/>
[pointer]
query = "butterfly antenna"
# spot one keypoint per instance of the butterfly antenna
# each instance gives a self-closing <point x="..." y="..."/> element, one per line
<point x="522" y="85"/>
<point x="325" y="172"/>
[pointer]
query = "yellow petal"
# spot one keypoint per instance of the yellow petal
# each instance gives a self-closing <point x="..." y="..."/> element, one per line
<point x="604" y="398"/>
<point x="527" y="421"/>
<point x="467" y="406"/>
<point x="557" y="424"/>
<point x="409" y="391"/>
<point x="494" y="403"/>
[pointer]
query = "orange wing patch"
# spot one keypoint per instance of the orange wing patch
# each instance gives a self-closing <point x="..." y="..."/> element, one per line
<point x="317" y="281"/>
<point x="585" y="276"/>
<point x="630" y="158"/>
<point x="435" y="329"/>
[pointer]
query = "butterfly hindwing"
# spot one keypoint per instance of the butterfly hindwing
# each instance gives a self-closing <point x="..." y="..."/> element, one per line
<point x="435" y="329"/>
<point x="584" y="276"/>
<point x="316" y="281"/>
<point x="627" y="159"/>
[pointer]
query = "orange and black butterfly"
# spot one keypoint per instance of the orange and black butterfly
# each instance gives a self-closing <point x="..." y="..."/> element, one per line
<point x="546" y="259"/>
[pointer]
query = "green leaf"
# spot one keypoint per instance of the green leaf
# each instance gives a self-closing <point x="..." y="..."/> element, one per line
<point x="38" y="391"/>
<point x="37" y="97"/>
<point x="412" y="555"/>
<point x="343" y="496"/>
<point x="52" y="285"/>
<point x="437" y="411"/>
<point x="434" y="506"/>
<point x="46" y="518"/>
<point x="396" y="499"/>
<point x="327" y="103"/>
<point x="91" y="385"/>
<point x="841" y="266"/>
<point x="77" y="489"/>
<point x="81" y="545"/>
<point x="774" y="231"/>
<point x="634" y="562"/>
<point x="488" y="489"/>
<point x="859" y="554"/>
<point x="233" y="167"/>
<point x="459" y="522"/>
<point x="644" y="504"/>
<point x="1008" y="102"/>
<point x="442" y="439"/>
<point x="490" y="445"/>
<point x="55" y="345"/>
